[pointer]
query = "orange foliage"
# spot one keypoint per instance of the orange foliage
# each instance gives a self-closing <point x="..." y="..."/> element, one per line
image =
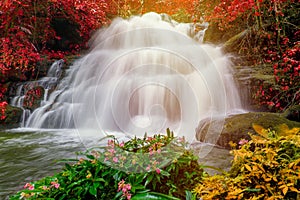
<point x="126" y="8"/>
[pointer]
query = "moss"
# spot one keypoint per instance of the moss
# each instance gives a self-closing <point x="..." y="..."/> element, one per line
<point x="237" y="127"/>
<point x="13" y="117"/>
<point x="292" y="113"/>
<point x="231" y="43"/>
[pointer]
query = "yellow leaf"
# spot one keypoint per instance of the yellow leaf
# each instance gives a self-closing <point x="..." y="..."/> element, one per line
<point x="267" y="179"/>
<point x="294" y="189"/>
<point x="260" y="130"/>
<point x="261" y="168"/>
<point x="284" y="130"/>
<point x="248" y="167"/>
<point x="285" y="190"/>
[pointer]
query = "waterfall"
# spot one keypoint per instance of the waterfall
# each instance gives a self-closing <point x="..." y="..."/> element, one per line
<point x="48" y="82"/>
<point x="143" y="74"/>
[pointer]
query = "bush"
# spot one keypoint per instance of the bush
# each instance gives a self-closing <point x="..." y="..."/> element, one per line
<point x="31" y="31"/>
<point x="157" y="167"/>
<point x="266" y="167"/>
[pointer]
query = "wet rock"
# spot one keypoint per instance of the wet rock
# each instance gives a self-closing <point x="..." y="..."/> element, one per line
<point x="231" y="44"/>
<point x="215" y="160"/>
<point x="33" y="98"/>
<point x="237" y="127"/>
<point x="13" y="117"/>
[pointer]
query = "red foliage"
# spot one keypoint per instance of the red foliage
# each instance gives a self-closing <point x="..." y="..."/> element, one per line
<point x="3" y="105"/>
<point x="27" y="27"/>
<point x="273" y="37"/>
<point x="33" y="97"/>
<point x="286" y="90"/>
<point x="3" y="90"/>
<point x="227" y="11"/>
<point x="26" y="30"/>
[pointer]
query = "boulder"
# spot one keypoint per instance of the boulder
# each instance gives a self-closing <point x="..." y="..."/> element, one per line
<point x="236" y="127"/>
<point x="292" y="113"/>
<point x="13" y="117"/>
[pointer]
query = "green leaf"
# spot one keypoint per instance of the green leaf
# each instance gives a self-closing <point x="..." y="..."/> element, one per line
<point x="99" y="180"/>
<point x="118" y="195"/>
<point x="93" y="191"/>
<point x="96" y="184"/>
<point x="153" y="196"/>
<point x="189" y="195"/>
<point x="63" y="197"/>
<point x="90" y="157"/>
<point x="164" y="173"/>
<point x="168" y="132"/>
<point x="252" y="190"/>
<point x="138" y="187"/>
<point x="68" y="167"/>
<point x="149" y="179"/>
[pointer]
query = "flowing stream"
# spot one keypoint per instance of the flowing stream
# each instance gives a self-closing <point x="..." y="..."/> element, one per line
<point x="140" y="75"/>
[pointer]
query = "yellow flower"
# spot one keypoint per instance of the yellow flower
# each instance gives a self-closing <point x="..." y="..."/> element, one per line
<point x="89" y="175"/>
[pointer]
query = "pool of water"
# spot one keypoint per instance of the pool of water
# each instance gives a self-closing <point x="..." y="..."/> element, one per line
<point x="28" y="155"/>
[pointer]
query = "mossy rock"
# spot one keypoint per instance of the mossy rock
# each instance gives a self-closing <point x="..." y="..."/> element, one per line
<point x="292" y="113"/>
<point x="215" y="35"/>
<point x="237" y="127"/>
<point x="231" y="44"/>
<point x="13" y="117"/>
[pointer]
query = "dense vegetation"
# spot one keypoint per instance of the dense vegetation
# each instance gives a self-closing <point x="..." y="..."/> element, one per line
<point x="266" y="167"/>
<point x="158" y="167"/>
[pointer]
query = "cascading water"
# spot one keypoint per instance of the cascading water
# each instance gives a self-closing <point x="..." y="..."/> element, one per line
<point x="48" y="82"/>
<point x="142" y="75"/>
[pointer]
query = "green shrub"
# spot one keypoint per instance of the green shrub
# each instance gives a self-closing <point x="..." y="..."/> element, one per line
<point x="158" y="167"/>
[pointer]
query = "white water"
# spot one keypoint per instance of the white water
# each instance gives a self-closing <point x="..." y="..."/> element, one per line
<point x="142" y="75"/>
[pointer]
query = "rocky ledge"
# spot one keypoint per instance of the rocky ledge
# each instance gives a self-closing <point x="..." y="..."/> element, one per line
<point x="236" y="127"/>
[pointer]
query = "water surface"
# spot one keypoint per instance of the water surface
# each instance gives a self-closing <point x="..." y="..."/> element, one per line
<point x="28" y="155"/>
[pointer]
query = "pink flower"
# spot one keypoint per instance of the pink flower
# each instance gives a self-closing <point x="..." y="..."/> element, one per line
<point x="121" y="185"/>
<point x="115" y="159"/>
<point x="55" y="184"/>
<point x="128" y="186"/>
<point x="122" y="144"/>
<point x="150" y="153"/>
<point x="243" y="141"/>
<point x="111" y="143"/>
<point x="125" y="188"/>
<point x="148" y="167"/>
<point x="31" y="187"/>
<point x="27" y="185"/>
<point x="112" y="151"/>
<point x="157" y="170"/>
